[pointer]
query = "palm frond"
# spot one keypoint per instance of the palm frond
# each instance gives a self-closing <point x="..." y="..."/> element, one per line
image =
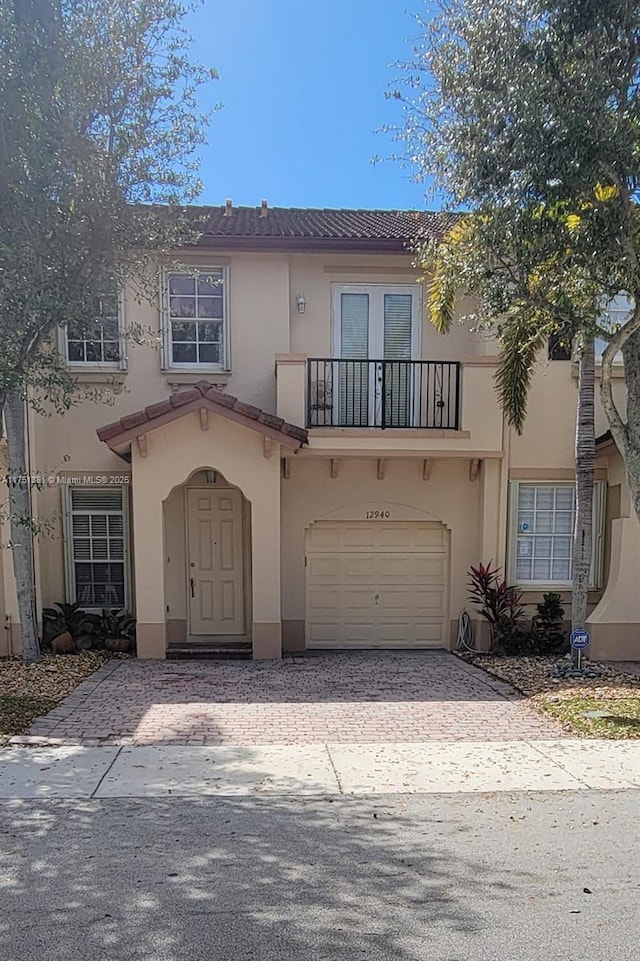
<point x="442" y="296"/>
<point x="521" y="340"/>
<point x="447" y="262"/>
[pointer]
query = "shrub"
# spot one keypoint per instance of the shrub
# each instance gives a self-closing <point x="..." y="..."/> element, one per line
<point x="501" y="605"/>
<point x="117" y="629"/>
<point x="69" y="618"/>
<point x="547" y="627"/>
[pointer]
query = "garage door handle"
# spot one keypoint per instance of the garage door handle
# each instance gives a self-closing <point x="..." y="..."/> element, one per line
<point x="192" y="583"/>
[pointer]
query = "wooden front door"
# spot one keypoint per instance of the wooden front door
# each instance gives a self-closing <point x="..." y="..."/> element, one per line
<point x="215" y="558"/>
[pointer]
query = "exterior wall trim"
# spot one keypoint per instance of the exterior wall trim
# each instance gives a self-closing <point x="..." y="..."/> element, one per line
<point x="550" y="473"/>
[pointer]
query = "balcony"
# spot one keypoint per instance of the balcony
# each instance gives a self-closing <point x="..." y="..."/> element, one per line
<point x="368" y="408"/>
<point x="384" y="394"/>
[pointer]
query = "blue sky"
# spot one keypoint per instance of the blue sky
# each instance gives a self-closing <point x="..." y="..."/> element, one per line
<point x="302" y="87"/>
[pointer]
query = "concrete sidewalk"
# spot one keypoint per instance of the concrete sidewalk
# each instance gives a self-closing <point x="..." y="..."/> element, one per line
<point x="318" y="769"/>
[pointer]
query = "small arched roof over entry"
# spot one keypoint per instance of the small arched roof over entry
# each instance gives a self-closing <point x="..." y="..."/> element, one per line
<point x="119" y="435"/>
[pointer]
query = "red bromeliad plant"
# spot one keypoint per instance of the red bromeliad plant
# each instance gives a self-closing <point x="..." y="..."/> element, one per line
<point x="501" y="605"/>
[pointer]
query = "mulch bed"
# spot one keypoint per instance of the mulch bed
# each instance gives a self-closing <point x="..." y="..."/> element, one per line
<point x="28" y="691"/>
<point x="607" y="706"/>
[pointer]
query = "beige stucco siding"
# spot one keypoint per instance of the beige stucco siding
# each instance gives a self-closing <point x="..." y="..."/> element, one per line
<point x="313" y="275"/>
<point x="549" y="432"/>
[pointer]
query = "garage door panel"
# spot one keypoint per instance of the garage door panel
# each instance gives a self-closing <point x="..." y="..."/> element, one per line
<point x="358" y="538"/>
<point x="324" y="600"/>
<point x="345" y="536"/>
<point x="394" y="566"/>
<point x="333" y="634"/>
<point x="412" y="600"/>
<point x="376" y="584"/>
<point x="428" y="602"/>
<point x="321" y="569"/>
<point x="354" y="601"/>
<point x="368" y="635"/>
<point x="323" y="538"/>
<point x="428" y="538"/>
<point x="356" y="567"/>
<point x="427" y="567"/>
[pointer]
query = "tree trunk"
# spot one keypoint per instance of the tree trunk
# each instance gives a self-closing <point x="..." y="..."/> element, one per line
<point x="631" y="455"/>
<point x="585" y="467"/>
<point x="21" y="525"/>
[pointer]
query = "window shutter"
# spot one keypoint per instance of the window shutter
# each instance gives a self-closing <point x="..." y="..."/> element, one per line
<point x="96" y="499"/>
<point x="398" y="310"/>
<point x="163" y="320"/>
<point x="96" y="534"/>
<point x="354" y="325"/>
<point x="596" y="576"/>
<point x="354" y="343"/>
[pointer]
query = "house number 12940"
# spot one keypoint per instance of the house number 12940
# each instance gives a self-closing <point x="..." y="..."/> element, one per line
<point x="378" y="515"/>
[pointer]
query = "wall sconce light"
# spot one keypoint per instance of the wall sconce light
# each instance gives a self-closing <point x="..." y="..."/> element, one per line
<point x="210" y="476"/>
<point x="301" y="304"/>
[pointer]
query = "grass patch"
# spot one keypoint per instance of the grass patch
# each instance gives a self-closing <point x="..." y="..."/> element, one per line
<point x="17" y="711"/>
<point x="27" y="691"/>
<point x="621" y="716"/>
<point x="614" y="694"/>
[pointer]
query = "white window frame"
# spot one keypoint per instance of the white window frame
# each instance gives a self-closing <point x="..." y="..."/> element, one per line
<point x="596" y="575"/>
<point x="120" y="364"/>
<point x="165" y="324"/>
<point x="375" y="342"/>
<point x="67" y="526"/>
<point x="376" y="294"/>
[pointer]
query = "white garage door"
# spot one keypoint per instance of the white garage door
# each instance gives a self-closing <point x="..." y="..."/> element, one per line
<point x="376" y="584"/>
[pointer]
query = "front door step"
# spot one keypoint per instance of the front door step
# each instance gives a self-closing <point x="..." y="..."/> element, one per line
<point x="212" y="647"/>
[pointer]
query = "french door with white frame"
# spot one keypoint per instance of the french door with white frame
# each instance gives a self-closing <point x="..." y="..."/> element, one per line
<point x="376" y="333"/>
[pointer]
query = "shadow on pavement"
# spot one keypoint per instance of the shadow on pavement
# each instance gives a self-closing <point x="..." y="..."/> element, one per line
<point x="233" y="880"/>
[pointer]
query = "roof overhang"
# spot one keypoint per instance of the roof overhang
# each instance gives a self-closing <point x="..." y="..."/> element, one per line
<point x="605" y="443"/>
<point x="381" y="245"/>
<point x="201" y="398"/>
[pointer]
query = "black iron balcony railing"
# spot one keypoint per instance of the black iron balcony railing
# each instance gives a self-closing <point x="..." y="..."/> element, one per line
<point x="383" y="393"/>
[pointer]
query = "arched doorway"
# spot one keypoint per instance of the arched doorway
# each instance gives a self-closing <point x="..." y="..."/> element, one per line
<point x="207" y="534"/>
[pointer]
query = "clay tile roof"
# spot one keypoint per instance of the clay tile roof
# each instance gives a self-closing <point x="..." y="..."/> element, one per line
<point x="119" y="435"/>
<point x="307" y="228"/>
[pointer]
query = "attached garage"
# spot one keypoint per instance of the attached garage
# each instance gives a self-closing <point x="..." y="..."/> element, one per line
<point x="375" y="584"/>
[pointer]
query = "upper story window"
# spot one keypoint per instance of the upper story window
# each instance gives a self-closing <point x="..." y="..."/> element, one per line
<point x="616" y="313"/>
<point x="99" y="343"/>
<point x="195" y="318"/>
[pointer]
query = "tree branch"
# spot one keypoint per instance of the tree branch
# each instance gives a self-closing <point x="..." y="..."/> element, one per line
<point x="616" y="342"/>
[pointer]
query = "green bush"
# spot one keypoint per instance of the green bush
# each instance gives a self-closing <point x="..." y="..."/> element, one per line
<point x="71" y="618"/>
<point x="548" y="635"/>
<point x="501" y="606"/>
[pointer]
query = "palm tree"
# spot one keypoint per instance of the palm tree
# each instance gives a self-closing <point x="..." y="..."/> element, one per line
<point x="524" y="313"/>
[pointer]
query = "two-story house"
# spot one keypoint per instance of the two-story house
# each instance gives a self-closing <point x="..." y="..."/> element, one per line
<point x="304" y="462"/>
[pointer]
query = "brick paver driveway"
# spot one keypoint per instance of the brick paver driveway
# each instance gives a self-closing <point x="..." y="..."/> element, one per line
<point x="346" y="697"/>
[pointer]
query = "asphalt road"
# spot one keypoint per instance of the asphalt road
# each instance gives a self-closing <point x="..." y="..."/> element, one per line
<point x="398" y="878"/>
